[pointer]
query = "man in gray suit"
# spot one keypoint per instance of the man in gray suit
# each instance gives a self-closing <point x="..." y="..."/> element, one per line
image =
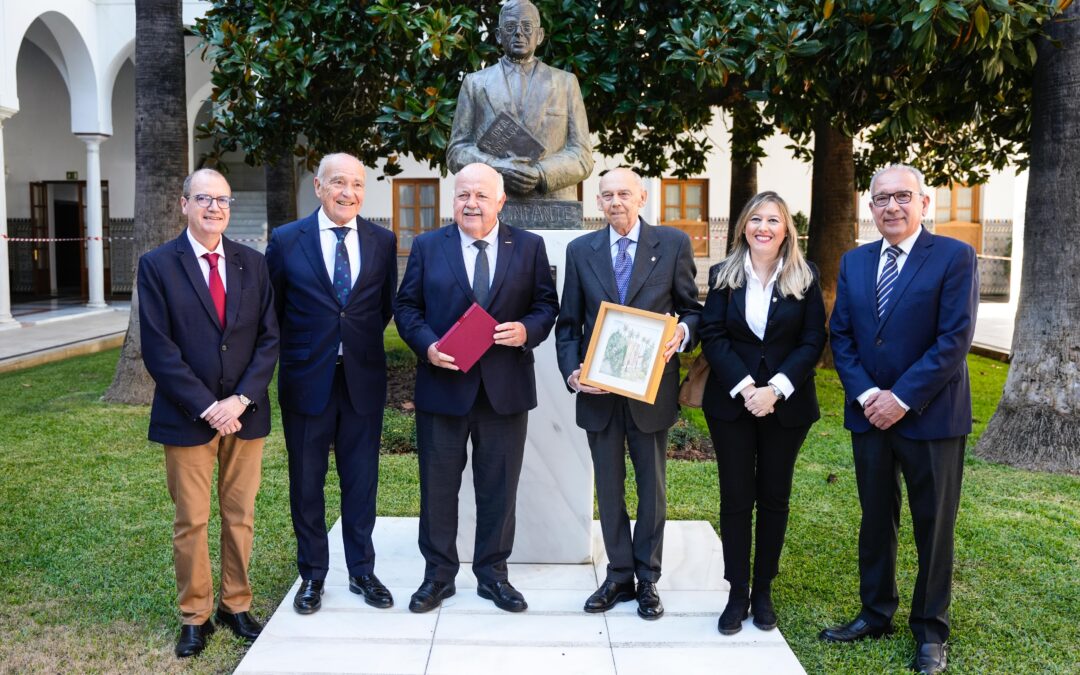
<point x="544" y="100"/>
<point x="632" y="263"/>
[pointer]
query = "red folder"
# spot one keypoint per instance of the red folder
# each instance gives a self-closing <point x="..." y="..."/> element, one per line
<point x="469" y="338"/>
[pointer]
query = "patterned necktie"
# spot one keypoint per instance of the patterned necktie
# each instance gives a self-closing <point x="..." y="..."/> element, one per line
<point x="623" y="264"/>
<point x="887" y="279"/>
<point x="217" y="289"/>
<point x="342" y="270"/>
<point x="481" y="274"/>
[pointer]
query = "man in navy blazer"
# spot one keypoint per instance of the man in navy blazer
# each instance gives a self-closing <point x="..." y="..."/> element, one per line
<point x="505" y="271"/>
<point x="334" y="275"/>
<point x="901" y="329"/>
<point x="209" y="340"/>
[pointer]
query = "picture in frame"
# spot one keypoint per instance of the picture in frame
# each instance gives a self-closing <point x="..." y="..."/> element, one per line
<point x="626" y="351"/>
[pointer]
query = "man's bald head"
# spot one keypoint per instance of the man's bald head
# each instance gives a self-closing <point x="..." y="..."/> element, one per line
<point x="478" y="199"/>
<point x="622" y="194"/>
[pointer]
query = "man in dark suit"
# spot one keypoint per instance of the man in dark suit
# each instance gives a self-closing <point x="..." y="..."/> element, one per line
<point x="629" y="263"/>
<point x="546" y="101"/>
<point x="209" y="340"/>
<point x="901" y="329"/>
<point x="334" y="275"/>
<point x="505" y="271"/>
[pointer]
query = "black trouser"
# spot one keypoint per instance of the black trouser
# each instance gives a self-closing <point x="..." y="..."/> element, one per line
<point x="755" y="458"/>
<point x="355" y="438"/>
<point x="933" y="471"/>
<point x="498" y="443"/>
<point x="639" y="553"/>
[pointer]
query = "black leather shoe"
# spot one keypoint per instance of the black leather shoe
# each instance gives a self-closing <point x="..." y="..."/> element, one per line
<point x="308" y="598"/>
<point x="608" y="595"/>
<point x="761" y="606"/>
<point x="193" y="639"/>
<point x="931" y="657"/>
<point x="649" y="606"/>
<point x="375" y="594"/>
<point x="430" y="595"/>
<point x="242" y="624"/>
<point x="858" y="629"/>
<point x="505" y="596"/>
<point x="736" y="611"/>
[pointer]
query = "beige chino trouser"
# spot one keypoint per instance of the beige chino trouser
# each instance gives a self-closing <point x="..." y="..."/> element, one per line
<point x="190" y="471"/>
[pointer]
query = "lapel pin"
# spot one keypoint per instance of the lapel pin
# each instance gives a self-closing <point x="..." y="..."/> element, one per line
<point x="652" y="259"/>
<point x="774" y="299"/>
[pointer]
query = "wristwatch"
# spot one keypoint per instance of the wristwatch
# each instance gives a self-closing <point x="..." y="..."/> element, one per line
<point x="243" y="399"/>
<point x="776" y="390"/>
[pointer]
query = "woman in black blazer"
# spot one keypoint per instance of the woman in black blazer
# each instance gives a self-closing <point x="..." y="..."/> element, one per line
<point x="762" y="331"/>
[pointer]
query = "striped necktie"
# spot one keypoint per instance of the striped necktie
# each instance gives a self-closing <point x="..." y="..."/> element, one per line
<point x="887" y="279"/>
<point x="623" y="265"/>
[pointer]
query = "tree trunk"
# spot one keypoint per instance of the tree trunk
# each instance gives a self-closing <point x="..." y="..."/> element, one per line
<point x="280" y="192"/>
<point x="744" y="135"/>
<point x="1037" y="422"/>
<point x="833" y="217"/>
<point x="161" y="162"/>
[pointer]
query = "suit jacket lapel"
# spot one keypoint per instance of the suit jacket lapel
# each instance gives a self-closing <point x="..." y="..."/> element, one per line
<point x="868" y="284"/>
<point x="645" y="258"/>
<point x="455" y="259"/>
<point x="600" y="262"/>
<point x="919" y="253"/>
<point x="505" y="242"/>
<point x="312" y="247"/>
<point x="366" y="240"/>
<point x="188" y="261"/>
<point x="738" y="298"/>
<point x="233" y="284"/>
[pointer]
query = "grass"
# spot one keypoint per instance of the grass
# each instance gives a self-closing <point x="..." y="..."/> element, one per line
<point x="86" y="563"/>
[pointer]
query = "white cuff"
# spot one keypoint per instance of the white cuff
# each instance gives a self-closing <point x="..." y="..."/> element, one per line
<point x="861" y="398"/>
<point x="781" y="380"/>
<point x="903" y="405"/>
<point x="685" y="339"/>
<point x="207" y="411"/>
<point x="741" y="385"/>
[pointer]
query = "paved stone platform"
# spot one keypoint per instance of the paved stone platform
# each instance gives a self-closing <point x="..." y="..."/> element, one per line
<point x="469" y="635"/>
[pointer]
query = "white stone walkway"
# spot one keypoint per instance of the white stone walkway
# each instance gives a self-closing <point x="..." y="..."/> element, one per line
<point x="468" y="635"/>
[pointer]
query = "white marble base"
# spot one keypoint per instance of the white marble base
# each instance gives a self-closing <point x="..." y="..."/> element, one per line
<point x="555" y="494"/>
<point x="469" y="635"/>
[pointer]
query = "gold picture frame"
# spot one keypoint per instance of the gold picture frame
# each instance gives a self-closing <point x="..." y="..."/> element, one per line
<point x="626" y="351"/>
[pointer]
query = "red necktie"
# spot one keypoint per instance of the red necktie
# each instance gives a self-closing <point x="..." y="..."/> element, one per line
<point x="217" y="289"/>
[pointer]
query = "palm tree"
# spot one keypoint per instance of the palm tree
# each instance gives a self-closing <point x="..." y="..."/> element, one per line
<point x="1037" y="423"/>
<point x="161" y="162"/>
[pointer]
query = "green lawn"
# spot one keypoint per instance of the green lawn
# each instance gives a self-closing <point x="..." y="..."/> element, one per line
<point x="86" y="570"/>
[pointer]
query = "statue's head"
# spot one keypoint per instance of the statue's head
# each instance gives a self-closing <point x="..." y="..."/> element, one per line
<point x="520" y="32"/>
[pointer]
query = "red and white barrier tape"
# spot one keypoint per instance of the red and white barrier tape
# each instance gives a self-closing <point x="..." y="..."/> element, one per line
<point x="43" y="240"/>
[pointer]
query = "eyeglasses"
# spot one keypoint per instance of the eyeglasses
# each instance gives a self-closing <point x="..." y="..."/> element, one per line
<point x="223" y="201"/>
<point x="526" y="27"/>
<point x="902" y="197"/>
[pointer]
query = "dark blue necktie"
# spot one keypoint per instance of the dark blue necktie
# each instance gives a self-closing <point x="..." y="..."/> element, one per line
<point x="623" y="265"/>
<point x="342" y="270"/>
<point x="481" y="274"/>
<point x="888" y="278"/>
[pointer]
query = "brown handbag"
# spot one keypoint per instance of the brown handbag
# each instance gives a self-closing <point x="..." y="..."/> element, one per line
<point x="693" y="387"/>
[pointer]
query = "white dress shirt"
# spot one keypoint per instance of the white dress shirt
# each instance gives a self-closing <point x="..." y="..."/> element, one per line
<point x="204" y="267"/>
<point x="469" y="252"/>
<point x="759" y="299"/>
<point x="905" y="250"/>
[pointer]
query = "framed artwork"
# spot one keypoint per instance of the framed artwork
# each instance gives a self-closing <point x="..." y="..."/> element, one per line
<point x="626" y="351"/>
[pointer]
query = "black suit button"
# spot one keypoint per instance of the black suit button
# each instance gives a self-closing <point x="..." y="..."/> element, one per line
<point x="224" y="348"/>
<point x="343" y="315"/>
<point x="221" y="381"/>
<point x="879" y="342"/>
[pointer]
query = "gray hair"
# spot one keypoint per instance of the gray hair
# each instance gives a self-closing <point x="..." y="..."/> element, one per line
<point x="320" y="173"/>
<point x="186" y="190"/>
<point x="902" y="167"/>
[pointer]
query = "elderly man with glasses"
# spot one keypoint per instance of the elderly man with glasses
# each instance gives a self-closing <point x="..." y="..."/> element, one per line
<point x="210" y="341"/>
<point x="544" y="101"/>
<point x="901" y="329"/>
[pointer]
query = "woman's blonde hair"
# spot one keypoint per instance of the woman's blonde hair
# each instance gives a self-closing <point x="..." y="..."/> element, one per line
<point x="796" y="275"/>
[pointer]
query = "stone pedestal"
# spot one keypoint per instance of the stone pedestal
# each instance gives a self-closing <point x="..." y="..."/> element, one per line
<point x="555" y="495"/>
<point x="542" y="214"/>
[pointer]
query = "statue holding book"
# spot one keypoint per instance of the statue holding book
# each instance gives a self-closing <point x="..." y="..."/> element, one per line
<point x="523" y="118"/>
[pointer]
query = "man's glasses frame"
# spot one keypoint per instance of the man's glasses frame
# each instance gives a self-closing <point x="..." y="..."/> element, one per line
<point x="223" y="201"/>
<point x="881" y="200"/>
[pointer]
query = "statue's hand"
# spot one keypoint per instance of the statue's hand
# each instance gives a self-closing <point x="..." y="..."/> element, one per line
<point x="520" y="176"/>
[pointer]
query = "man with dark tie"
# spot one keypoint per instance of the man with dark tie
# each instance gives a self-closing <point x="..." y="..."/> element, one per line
<point x="901" y="329"/>
<point x="209" y="340"/>
<point x="334" y="275"/>
<point x="505" y="271"/>
<point x="632" y="263"/>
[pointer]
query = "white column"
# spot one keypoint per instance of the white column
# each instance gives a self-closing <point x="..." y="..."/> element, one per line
<point x="95" y="248"/>
<point x="6" y="320"/>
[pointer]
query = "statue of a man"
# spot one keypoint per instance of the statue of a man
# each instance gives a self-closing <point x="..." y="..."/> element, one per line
<point x="545" y="101"/>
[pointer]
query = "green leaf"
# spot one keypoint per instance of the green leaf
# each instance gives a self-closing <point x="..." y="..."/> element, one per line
<point x="982" y="21"/>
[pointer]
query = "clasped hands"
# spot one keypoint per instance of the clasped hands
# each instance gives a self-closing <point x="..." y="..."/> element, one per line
<point x="520" y="175"/>
<point x="882" y="409"/>
<point x="224" y="415"/>
<point x="760" y="401"/>
<point x="509" y="334"/>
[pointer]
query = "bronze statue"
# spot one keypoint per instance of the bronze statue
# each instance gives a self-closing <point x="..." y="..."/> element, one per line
<point x="523" y="118"/>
